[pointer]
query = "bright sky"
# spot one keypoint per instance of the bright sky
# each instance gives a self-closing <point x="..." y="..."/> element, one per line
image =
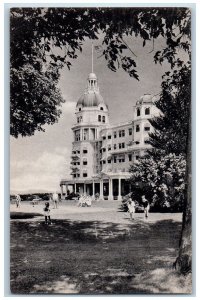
<point x="38" y="163"/>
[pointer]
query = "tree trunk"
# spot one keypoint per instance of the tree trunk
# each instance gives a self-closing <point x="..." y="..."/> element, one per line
<point x="184" y="260"/>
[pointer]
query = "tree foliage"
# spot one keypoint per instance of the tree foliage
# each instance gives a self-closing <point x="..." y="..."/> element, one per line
<point x="38" y="33"/>
<point x="170" y="129"/>
<point x="161" y="180"/>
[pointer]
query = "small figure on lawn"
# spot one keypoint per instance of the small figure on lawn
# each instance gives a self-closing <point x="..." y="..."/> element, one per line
<point x="146" y="206"/>
<point x="131" y="208"/>
<point x="18" y="200"/>
<point x="47" y="213"/>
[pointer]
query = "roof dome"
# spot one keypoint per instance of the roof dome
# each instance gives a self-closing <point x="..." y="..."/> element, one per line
<point x="146" y="98"/>
<point x="89" y="99"/>
<point x="92" y="96"/>
<point x="92" y="76"/>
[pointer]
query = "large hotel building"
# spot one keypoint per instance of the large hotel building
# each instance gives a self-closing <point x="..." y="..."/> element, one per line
<point x="102" y="153"/>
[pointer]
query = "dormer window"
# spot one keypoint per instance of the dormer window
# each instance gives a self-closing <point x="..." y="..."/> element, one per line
<point x="101" y="108"/>
<point x="79" y="109"/>
<point x="138" y="112"/>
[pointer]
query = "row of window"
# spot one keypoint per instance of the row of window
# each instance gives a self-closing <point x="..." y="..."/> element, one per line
<point x="146" y="111"/>
<point x="121" y="133"/>
<point x="78" y="175"/>
<point x="78" y="151"/>
<point x="120" y="159"/>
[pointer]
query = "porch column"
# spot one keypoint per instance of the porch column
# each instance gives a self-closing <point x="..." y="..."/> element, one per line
<point x="93" y="191"/>
<point x="110" y="197"/>
<point x="101" y="189"/>
<point x="75" y="188"/>
<point x="119" y="190"/>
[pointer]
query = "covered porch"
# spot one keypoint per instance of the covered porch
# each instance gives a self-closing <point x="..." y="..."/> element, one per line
<point x="105" y="186"/>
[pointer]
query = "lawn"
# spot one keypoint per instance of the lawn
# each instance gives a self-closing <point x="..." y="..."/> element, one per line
<point x="94" y="252"/>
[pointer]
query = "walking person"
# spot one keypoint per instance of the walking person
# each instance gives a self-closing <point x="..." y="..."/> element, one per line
<point x="55" y="199"/>
<point x="131" y="208"/>
<point x="18" y="200"/>
<point x="47" y="213"/>
<point x="146" y="206"/>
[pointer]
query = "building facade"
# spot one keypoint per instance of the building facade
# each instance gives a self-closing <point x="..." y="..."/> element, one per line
<point x="102" y="153"/>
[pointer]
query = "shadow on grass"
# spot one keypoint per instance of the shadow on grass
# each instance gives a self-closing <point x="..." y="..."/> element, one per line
<point x="22" y="215"/>
<point x="89" y="257"/>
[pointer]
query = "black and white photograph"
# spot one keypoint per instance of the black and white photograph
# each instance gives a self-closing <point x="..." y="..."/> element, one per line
<point x="100" y="150"/>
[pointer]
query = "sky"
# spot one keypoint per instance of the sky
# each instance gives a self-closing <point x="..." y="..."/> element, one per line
<point x="38" y="163"/>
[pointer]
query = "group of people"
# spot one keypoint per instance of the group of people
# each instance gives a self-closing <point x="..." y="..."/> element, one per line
<point x="131" y="207"/>
<point x="85" y="200"/>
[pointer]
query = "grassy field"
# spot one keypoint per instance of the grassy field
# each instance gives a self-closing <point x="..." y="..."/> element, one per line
<point x="97" y="251"/>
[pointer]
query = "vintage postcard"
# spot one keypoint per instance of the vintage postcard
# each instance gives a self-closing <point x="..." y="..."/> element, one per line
<point x="100" y="150"/>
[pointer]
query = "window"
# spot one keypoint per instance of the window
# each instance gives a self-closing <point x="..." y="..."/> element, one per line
<point x="137" y="157"/>
<point x="115" y="159"/>
<point x="147" y="111"/>
<point x="79" y="109"/>
<point x="123" y="132"/>
<point x="101" y="108"/>
<point x="137" y="142"/>
<point x="109" y="147"/>
<point x="77" y="136"/>
<point x="138" y="112"/>
<point x="130" y="131"/>
<point x="109" y="161"/>
<point x="120" y="133"/>
<point x="84" y="174"/>
<point x="147" y="128"/>
<point x="137" y="128"/>
<point x="115" y="146"/>
<point x="104" y="162"/>
<point x="120" y="145"/>
<point x="103" y="119"/>
<point x="104" y="149"/>
<point x="146" y="141"/>
<point x="115" y="134"/>
<point x="99" y="118"/>
<point x="123" y="145"/>
<point x="130" y="157"/>
<point x="121" y="159"/>
<point x="104" y="137"/>
<point x="78" y="175"/>
<point x="85" y="151"/>
<point x="109" y="137"/>
<point x="85" y="162"/>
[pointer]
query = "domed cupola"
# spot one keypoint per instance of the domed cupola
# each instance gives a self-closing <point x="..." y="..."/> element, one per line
<point x="91" y="96"/>
<point x="146" y="98"/>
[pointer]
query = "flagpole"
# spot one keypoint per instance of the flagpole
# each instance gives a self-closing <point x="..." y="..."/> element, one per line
<point x="92" y="57"/>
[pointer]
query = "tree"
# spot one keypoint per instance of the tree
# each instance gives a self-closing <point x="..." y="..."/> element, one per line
<point x="39" y="31"/>
<point x="161" y="179"/>
<point x="170" y="128"/>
